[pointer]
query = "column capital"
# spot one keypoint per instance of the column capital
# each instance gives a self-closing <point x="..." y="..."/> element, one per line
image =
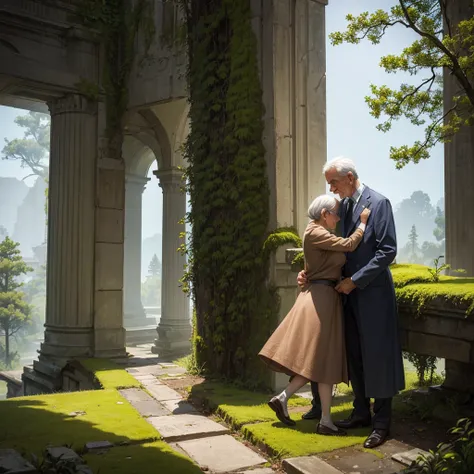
<point x="71" y="103"/>
<point x="135" y="180"/>
<point x="170" y="179"/>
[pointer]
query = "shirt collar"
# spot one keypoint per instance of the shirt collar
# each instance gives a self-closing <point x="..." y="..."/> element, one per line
<point x="358" y="193"/>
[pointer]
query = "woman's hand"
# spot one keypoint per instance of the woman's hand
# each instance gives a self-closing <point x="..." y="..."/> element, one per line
<point x="364" y="216"/>
<point x="302" y="279"/>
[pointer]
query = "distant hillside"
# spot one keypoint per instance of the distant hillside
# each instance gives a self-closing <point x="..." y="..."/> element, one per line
<point x="12" y="193"/>
<point x="30" y="224"/>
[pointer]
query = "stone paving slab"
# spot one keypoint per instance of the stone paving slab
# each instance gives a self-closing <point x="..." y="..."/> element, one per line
<point x="407" y="457"/>
<point x="146" y="379"/>
<point x="308" y="465"/>
<point x="135" y="395"/>
<point x="221" y="454"/>
<point x="183" y="427"/>
<point x="179" y="407"/>
<point x="150" y="408"/>
<point x="162" y="392"/>
<point x="364" y="463"/>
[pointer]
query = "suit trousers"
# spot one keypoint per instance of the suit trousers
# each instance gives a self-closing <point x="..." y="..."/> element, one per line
<point x="382" y="406"/>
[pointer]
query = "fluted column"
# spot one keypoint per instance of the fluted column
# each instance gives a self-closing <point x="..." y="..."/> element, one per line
<point x="134" y="314"/>
<point x="70" y="255"/>
<point x="174" y="329"/>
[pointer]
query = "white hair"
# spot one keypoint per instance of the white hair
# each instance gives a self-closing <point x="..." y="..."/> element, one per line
<point x="325" y="201"/>
<point x="342" y="165"/>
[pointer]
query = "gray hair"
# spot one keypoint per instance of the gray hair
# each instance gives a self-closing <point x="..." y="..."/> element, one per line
<point x="325" y="201"/>
<point x="342" y="165"/>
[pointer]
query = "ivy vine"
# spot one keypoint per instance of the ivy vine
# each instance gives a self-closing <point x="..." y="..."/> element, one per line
<point x="229" y="249"/>
<point x="117" y="23"/>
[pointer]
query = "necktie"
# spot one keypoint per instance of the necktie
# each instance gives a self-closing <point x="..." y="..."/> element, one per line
<point x="348" y="217"/>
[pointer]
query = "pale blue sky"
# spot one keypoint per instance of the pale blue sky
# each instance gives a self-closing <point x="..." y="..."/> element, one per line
<point x="351" y="130"/>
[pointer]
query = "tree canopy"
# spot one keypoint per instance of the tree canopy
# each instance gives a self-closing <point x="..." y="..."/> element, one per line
<point x="33" y="149"/>
<point x="443" y="43"/>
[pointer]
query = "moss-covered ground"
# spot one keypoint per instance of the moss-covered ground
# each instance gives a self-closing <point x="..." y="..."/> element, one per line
<point x="30" y="424"/>
<point x="414" y="284"/>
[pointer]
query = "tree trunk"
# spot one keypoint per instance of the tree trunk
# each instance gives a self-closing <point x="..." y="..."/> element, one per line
<point x="7" y="348"/>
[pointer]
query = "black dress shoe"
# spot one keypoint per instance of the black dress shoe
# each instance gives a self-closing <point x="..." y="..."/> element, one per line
<point x="313" y="414"/>
<point x="376" y="438"/>
<point x="277" y="407"/>
<point x="353" y="422"/>
<point x="327" y="431"/>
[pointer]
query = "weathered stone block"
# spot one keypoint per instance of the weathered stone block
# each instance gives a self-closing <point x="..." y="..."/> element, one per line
<point x="459" y="376"/>
<point x="439" y="346"/>
<point x="111" y="188"/>
<point x="109" y="225"/>
<point x="108" y="309"/>
<point x="109" y="266"/>
<point x="12" y="463"/>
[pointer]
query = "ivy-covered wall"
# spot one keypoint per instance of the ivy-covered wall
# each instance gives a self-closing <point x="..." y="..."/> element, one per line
<point x="236" y="308"/>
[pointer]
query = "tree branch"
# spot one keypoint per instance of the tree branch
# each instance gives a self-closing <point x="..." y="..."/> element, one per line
<point x="456" y="69"/>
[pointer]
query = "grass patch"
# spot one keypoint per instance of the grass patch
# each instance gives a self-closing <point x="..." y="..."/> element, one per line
<point x="301" y="440"/>
<point x="109" y="374"/>
<point x="146" y="458"/>
<point x="31" y="423"/>
<point x="236" y="406"/>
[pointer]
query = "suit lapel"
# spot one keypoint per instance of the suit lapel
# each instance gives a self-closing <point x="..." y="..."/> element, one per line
<point x="364" y="202"/>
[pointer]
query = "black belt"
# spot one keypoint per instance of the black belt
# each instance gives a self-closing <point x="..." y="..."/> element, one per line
<point x="323" y="282"/>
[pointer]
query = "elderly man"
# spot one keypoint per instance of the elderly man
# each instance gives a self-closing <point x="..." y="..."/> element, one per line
<point x="374" y="353"/>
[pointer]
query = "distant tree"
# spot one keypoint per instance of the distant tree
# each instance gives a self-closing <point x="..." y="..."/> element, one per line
<point x="417" y="208"/>
<point x="14" y="310"/>
<point x="33" y="149"/>
<point x="3" y="232"/>
<point x="413" y="241"/>
<point x="439" y="231"/>
<point x="154" y="269"/>
<point x="430" y="251"/>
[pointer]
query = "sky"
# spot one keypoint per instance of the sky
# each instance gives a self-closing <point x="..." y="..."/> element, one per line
<point x="351" y="130"/>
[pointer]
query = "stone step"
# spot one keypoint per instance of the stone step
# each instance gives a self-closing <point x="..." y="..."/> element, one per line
<point x="221" y="454"/>
<point x="185" y="427"/>
<point x="308" y="465"/>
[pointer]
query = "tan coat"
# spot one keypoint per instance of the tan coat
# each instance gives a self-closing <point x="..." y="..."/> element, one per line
<point x="310" y="340"/>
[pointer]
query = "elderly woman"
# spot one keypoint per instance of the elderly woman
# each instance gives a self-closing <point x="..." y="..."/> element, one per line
<point x="309" y="343"/>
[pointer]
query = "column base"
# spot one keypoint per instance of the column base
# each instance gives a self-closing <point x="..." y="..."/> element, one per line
<point x="136" y="318"/>
<point x="109" y="343"/>
<point x="174" y="338"/>
<point x="62" y="343"/>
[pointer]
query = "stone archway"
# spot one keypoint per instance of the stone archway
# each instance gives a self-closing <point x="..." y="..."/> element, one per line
<point x="156" y="134"/>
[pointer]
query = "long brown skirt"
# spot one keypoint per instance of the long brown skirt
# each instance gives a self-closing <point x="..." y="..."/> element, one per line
<point x="310" y="340"/>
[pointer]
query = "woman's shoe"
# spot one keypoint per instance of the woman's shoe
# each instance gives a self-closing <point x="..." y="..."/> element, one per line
<point x="277" y="407"/>
<point x="327" y="431"/>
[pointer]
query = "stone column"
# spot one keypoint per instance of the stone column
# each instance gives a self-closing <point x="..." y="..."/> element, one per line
<point x="459" y="169"/>
<point x="70" y="254"/>
<point x="134" y="314"/>
<point x="292" y="58"/>
<point x="174" y="329"/>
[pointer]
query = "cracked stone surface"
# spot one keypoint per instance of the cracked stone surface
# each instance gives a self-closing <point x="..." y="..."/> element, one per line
<point x="181" y="427"/>
<point x="407" y="457"/>
<point x="221" y="454"/>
